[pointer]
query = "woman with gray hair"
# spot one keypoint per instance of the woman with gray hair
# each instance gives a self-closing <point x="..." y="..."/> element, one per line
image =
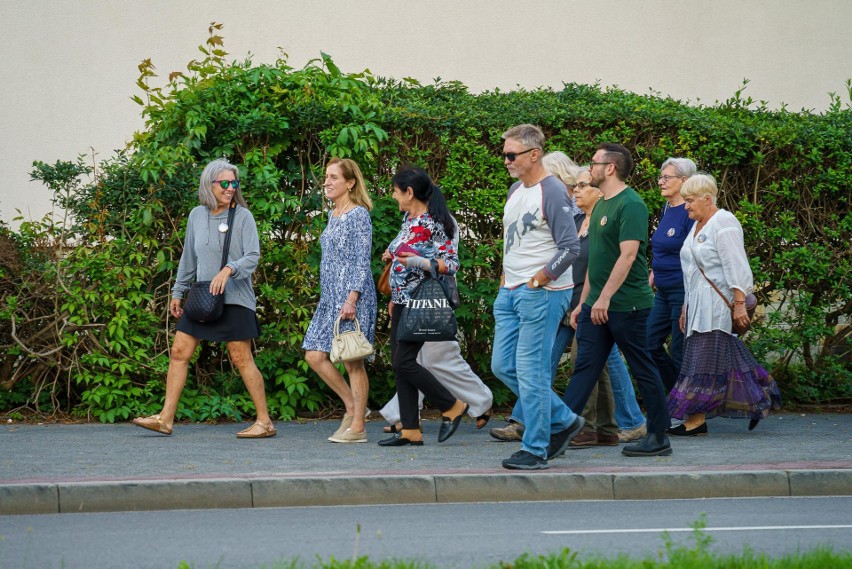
<point x="218" y="192"/>
<point x="665" y="275"/>
<point x="720" y="376"/>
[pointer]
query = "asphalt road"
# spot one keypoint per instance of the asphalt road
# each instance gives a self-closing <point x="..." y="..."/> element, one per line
<point x="446" y="535"/>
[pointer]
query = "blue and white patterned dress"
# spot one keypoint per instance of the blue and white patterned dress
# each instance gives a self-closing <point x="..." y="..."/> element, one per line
<point x="346" y="247"/>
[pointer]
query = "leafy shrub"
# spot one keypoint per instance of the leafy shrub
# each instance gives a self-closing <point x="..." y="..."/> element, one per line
<point x="83" y="313"/>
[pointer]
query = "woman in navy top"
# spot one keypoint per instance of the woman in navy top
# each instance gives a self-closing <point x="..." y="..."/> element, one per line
<point x="666" y="275"/>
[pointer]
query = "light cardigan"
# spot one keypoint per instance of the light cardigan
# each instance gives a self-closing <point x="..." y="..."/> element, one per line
<point x="201" y="259"/>
<point x="718" y="249"/>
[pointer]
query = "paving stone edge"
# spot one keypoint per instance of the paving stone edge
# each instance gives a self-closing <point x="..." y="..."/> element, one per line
<point x="236" y="492"/>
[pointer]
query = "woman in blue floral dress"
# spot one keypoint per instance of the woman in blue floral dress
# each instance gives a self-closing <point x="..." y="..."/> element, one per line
<point x="427" y="234"/>
<point x="347" y="291"/>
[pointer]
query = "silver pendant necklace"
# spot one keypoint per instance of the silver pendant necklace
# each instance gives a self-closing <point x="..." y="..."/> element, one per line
<point x="344" y="215"/>
<point x="223" y="227"/>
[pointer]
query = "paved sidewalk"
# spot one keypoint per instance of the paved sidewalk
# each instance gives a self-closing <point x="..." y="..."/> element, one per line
<point x="93" y="467"/>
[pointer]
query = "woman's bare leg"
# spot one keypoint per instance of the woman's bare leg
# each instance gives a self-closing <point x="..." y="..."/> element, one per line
<point x="241" y="356"/>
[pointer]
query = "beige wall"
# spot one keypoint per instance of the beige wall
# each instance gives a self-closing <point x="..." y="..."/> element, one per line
<point x="69" y="66"/>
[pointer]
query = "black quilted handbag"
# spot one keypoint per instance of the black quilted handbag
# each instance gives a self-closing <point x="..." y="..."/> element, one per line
<point x="428" y="316"/>
<point x="201" y="305"/>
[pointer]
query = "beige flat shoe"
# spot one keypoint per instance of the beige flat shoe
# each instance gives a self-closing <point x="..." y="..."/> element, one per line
<point x="349" y="436"/>
<point x="344" y="424"/>
<point x="257" y="431"/>
<point x="152" y="423"/>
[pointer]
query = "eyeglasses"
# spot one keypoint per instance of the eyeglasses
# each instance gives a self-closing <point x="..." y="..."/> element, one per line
<point x="582" y="185"/>
<point x="665" y="179"/>
<point x="598" y="164"/>
<point x="510" y="156"/>
<point x="225" y="184"/>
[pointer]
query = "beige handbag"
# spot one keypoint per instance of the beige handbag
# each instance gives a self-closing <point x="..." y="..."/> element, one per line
<point x="349" y="346"/>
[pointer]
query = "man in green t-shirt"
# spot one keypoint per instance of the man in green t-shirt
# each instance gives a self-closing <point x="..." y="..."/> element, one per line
<point x="617" y="299"/>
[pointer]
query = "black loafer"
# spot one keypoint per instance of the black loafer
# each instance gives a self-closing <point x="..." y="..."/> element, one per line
<point x="399" y="441"/>
<point x="449" y="426"/>
<point x="682" y="431"/>
<point x="752" y="424"/>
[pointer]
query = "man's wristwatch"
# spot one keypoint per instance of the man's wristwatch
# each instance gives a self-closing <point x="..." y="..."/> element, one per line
<point x="535" y="283"/>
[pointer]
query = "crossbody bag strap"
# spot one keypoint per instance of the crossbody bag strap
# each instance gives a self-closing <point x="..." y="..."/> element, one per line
<point x="231" y="210"/>
<point x="719" y="292"/>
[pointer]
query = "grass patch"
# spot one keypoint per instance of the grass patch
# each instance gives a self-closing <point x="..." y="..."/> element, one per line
<point x="697" y="555"/>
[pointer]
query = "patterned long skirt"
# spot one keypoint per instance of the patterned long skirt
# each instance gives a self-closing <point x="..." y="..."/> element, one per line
<point x="719" y="377"/>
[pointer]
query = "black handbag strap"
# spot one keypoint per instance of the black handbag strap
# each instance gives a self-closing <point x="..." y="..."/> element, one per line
<point x="433" y="272"/>
<point x="231" y="209"/>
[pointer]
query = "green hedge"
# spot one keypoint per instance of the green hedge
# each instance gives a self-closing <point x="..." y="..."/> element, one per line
<point x="83" y="313"/>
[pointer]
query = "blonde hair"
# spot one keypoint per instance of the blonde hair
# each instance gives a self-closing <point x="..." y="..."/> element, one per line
<point x="350" y="170"/>
<point x="701" y="184"/>
<point x="558" y="164"/>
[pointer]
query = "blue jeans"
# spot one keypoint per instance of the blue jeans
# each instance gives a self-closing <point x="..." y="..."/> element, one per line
<point x="664" y="321"/>
<point x="629" y="331"/>
<point x="628" y="414"/>
<point x="526" y="321"/>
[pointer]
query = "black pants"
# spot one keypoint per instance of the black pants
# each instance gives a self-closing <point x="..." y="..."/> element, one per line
<point x="411" y="377"/>
<point x="629" y="331"/>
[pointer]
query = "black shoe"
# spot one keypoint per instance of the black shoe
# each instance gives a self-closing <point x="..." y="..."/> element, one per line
<point x="399" y="441"/>
<point x="449" y="426"/>
<point x="559" y="441"/>
<point x="752" y="424"/>
<point x="523" y="460"/>
<point x="682" y="431"/>
<point x="654" y="444"/>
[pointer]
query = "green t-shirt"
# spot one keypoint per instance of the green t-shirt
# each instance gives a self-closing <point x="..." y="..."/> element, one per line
<point x="620" y="218"/>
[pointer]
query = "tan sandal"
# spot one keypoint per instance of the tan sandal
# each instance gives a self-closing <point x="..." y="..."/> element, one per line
<point x="257" y="431"/>
<point x="152" y="423"/>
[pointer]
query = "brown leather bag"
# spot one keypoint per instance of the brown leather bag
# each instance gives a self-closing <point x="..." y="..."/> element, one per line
<point x="384" y="280"/>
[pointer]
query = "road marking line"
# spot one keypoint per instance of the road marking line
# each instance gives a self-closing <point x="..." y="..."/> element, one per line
<point x="672" y="530"/>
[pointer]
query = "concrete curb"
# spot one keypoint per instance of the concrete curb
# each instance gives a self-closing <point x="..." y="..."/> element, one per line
<point x="74" y="497"/>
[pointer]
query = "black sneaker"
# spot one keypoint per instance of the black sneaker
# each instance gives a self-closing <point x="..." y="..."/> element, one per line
<point x="559" y="441"/>
<point x="523" y="460"/>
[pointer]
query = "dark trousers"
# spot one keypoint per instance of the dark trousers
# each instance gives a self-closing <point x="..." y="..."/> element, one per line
<point x="664" y="321"/>
<point x="629" y="331"/>
<point x="411" y="377"/>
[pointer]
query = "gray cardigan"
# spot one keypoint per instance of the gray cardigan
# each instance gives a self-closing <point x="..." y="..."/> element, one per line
<point x="202" y="254"/>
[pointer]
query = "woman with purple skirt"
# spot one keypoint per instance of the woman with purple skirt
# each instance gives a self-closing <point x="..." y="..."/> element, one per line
<point x="719" y="376"/>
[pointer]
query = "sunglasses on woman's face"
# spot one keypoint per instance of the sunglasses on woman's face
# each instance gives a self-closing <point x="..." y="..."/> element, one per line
<point x="225" y="184"/>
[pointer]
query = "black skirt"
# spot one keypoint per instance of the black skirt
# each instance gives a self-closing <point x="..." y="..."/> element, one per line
<point x="236" y="323"/>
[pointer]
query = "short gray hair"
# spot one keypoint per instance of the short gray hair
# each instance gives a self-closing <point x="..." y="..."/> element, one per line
<point x="209" y="175"/>
<point x="558" y="164"/>
<point x="683" y="166"/>
<point x="527" y="134"/>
